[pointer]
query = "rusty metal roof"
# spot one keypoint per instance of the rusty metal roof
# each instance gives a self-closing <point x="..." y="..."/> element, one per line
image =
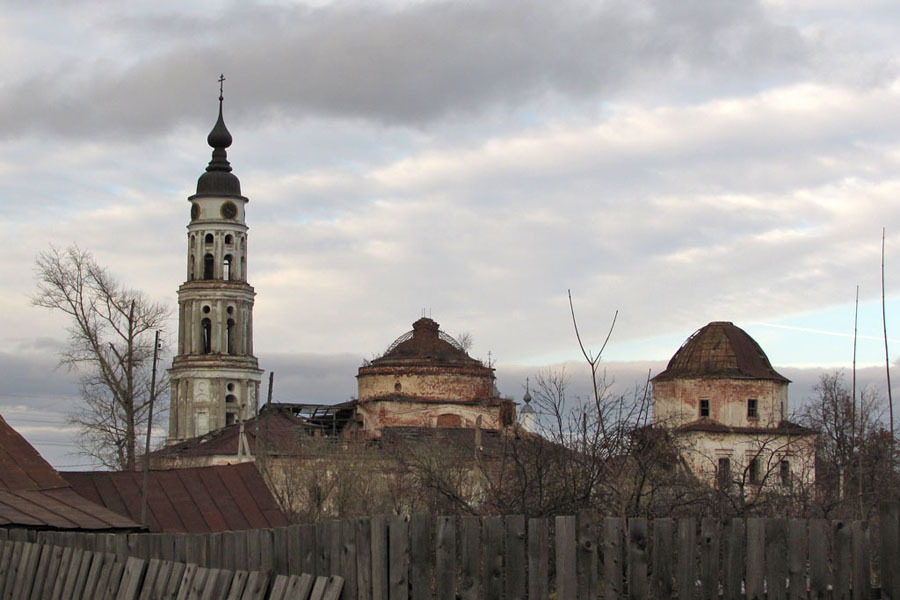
<point x="426" y="342"/>
<point x="32" y="493"/>
<point x="277" y="430"/>
<point x="189" y="500"/>
<point x="720" y="350"/>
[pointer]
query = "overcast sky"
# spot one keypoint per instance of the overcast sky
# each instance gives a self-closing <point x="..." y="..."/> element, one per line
<point x="680" y="162"/>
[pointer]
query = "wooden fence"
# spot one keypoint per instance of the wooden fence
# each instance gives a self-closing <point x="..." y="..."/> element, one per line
<point x="39" y="571"/>
<point x="566" y="558"/>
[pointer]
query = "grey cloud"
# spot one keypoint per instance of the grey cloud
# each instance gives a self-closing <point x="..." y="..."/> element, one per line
<point x="404" y="66"/>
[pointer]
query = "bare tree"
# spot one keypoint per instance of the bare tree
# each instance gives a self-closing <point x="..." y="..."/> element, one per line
<point x="111" y="339"/>
<point x="854" y="453"/>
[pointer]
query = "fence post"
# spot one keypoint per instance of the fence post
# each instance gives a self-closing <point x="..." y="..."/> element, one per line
<point x="687" y="558"/>
<point x="514" y="577"/>
<point x="776" y="558"/>
<point x="538" y="559"/>
<point x="445" y="542"/>
<point x="565" y="558"/>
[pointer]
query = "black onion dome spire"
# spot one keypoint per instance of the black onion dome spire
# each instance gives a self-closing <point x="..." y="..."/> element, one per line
<point x="218" y="179"/>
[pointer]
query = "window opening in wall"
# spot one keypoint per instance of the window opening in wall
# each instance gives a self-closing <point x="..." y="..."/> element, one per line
<point x="209" y="238"/>
<point x="191" y="268"/>
<point x="752" y="408"/>
<point x="227" y="267"/>
<point x="397" y="387"/>
<point x="230" y="419"/>
<point x="206" y="310"/>
<point x="723" y="473"/>
<point x="230" y="387"/>
<point x="206" y="326"/>
<point x="208" y="266"/>
<point x="785" y="468"/>
<point x="229" y="336"/>
<point x="231" y="398"/>
<point x="753" y="470"/>
<point x="229" y="310"/>
<point x="229" y="239"/>
<point x="704" y="407"/>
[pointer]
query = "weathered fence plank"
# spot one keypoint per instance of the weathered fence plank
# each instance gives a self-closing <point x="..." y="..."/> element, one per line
<point x="492" y="558"/>
<point x="379" y="558"/>
<point x="819" y="576"/>
<point x="613" y="559"/>
<point x="363" y="558"/>
<point x="566" y="578"/>
<point x="796" y="559"/>
<point x="398" y="555"/>
<point x="638" y="552"/>
<point x="776" y="559"/>
<point x="514" y="577"/>
<point x="661" y="552"/>
<point x="733" y="541"/>
<point x="469" y="557"/>
<point x="422" y="559"/>
<point x="889" y="513"/>
<point x="709" y="559"/>
<point x="687" y="558"/>
<point x="842" y="561"/>
<point x="348" y="559"/>
<point x="586" y="558"/>
<point x="756" y="558"/>
<point x="445" y="559"/>
<point x="538" y="559"/>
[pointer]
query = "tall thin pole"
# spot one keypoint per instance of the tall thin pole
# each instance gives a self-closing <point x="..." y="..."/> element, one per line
<point x="887" y="360"/>
<point x="853" y="435"/>
<point x="145" y="490"/>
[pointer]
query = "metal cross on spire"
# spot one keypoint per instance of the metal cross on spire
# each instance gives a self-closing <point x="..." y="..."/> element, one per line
<point x="221" y="81"/>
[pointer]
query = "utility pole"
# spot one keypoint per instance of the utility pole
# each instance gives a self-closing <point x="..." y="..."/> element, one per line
<point x="145" y="491"/>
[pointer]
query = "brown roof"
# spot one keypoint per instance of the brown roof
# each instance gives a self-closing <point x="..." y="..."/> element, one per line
<point x="720" y="350"/>
<point x="279" y="431"/>
<point x="425" y="343"/>
<point x="705" y="424"/>
<point x="32" y="493"/>
<point x="189" y="500"/>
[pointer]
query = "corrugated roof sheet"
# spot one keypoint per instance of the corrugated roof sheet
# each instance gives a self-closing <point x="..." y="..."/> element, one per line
<point x="189" y="500"/>
<point x="720" y="349"/>
<point x="32" y="493"/>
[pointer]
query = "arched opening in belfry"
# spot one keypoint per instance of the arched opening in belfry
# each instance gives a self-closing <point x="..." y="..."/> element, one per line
<point x="228" y="239"/>
<point x="209" y="238"/>
<point x="226" y="266"/>
<point x="206" y="335"/>
<point x="208" y="266"/>
<point x="229" y="336"/>
<point x="191" y="268"/>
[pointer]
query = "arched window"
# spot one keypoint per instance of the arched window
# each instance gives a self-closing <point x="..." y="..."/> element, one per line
<point x="227" y="267"/>
<point x="229" y="336"/>
<point x="191" y="268"/>
<point x="208" y="266"/>
<point x="209" y="238"/>
<point x="206" y="335"/>
<point x="229" y="239"/>
<point x="231" y="399"/>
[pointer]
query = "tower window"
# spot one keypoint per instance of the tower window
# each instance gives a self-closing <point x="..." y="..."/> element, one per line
<point x="227" y="267"/>
<point x="229" y="336"/>
<point x="206" y="326"/>
<point x="208" y="266"/>
<point x="230" y="418"/>
<point x="753" y="470"/>
<point x="704" y="407"/>
<point x="209" y="238"/>
<point x="191" y="268"/>
<point x="752" y="408"/>
<point x="229" y="239"/>
<point x="231" y="399"/>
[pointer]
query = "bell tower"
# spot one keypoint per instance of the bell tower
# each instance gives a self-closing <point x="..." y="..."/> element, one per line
<point x="214" y="376"/>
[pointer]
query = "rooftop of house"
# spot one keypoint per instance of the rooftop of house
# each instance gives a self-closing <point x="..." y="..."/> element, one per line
<point x="34" y="495"/>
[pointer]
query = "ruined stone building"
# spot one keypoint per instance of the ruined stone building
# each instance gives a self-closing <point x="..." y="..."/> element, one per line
<point x="214" y="375"/>
<point x="727" y="410"/>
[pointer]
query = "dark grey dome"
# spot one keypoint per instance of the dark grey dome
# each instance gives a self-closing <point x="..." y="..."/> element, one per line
<point x="218" y="179"/>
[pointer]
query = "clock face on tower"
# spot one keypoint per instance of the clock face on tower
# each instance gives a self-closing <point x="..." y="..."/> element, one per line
<point x="195" y="211"/>
<point x="229" y="210"/>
